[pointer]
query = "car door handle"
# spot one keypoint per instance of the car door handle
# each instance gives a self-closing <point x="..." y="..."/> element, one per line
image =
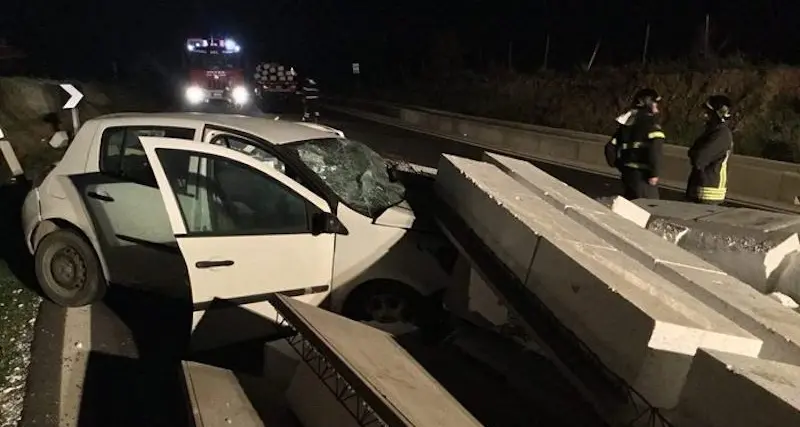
<point x="211" y="264"/>
<point x="98" y="196"/>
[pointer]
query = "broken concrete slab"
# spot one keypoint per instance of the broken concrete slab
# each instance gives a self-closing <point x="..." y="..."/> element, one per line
<point x="662" y="325"/>
<point x="641" y="326"/>
<point x="619" y="232"/>
<point x="757" y="257"/>
<point x="725" y="390"/>
<point x="777" y="326"/>
<point x="501" y="229"/>
<point x="556" y="192"/>
<point x="675" y="209"/>
<point x="753" y="219"/>
<point x="633" y="212"/>
<point x="216" y="397"/>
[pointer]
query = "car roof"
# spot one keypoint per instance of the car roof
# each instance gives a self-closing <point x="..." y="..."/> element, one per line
<point x="267" y="128"/>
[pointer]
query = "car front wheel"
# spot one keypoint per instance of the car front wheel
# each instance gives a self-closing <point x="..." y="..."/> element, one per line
<point x="68" y="270"/>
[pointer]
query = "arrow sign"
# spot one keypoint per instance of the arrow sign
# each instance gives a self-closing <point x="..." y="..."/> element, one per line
<point x="75" y="96"/>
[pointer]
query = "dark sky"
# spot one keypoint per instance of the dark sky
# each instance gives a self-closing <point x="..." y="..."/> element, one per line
<point x="79" y="36"/>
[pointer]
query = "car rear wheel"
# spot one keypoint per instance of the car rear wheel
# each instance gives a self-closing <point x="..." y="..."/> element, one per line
<point x="68" y="270"/>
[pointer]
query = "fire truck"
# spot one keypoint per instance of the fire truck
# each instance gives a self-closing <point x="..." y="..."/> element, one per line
<point x="216" y="73"/>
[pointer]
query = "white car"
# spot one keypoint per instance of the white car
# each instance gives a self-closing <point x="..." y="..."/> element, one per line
<point x="247" y="206"/>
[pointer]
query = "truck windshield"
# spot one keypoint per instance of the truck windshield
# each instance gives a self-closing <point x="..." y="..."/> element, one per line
<point x="214" y="61"/>
<point x="356" y="173"/>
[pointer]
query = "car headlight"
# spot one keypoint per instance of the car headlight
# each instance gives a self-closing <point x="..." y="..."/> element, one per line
<point x="240" y="95"/>
<point x="195" y="94"/>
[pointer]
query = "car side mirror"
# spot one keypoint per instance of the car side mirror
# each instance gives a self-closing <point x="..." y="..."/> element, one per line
<point x="327" y="223"/>
<point x="59" y="139"/>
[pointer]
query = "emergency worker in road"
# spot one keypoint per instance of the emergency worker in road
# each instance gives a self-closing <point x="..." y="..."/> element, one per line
<point x="708" y="179"/>
<point x="637" y="145"/>
<point x="310" y="94"/>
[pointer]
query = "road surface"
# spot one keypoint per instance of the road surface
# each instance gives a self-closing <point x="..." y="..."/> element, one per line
<point x="134" y="376"/>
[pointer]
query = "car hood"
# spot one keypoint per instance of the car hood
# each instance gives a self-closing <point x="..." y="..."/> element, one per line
<point x="399" y="216"/>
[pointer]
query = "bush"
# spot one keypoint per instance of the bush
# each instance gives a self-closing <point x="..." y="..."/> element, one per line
<point x="766" y="117"/>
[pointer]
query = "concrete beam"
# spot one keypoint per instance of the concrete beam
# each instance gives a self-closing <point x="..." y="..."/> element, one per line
<point x="726" y="390"/>
<point x="643" y="327"/>
<point x="767" y="319"/>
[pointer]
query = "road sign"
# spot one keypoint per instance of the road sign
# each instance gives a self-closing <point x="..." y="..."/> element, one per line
<point x="75" y="96"/>
<point x="356" y="68"/>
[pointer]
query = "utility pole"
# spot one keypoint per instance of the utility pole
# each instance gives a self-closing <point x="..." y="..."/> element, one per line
<point x="646" y="43"/>
<point x="706" y="36"/>
<point x="546" y="51"/>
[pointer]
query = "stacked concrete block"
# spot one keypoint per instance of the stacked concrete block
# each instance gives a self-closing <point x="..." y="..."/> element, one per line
<point x="726" y="390"/>
<point x="767" y="319"/>
<point x="643" y="327"/>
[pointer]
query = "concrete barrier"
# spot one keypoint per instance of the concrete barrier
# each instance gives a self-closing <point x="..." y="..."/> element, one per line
<point x="776" y="325"/>
<point x="643" y="327"/>
<point x="755" y="181"/>
<point x="725" y="390"/>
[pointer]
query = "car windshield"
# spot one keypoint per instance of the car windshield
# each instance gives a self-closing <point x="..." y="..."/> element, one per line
<point x="356" y="173"/>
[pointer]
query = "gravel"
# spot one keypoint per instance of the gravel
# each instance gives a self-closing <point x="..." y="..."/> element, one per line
<point x="18" y="308"/>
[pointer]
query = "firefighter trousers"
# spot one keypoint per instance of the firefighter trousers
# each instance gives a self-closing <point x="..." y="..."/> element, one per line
<point x="635" y="185"/>
<point x="311" y="108"/>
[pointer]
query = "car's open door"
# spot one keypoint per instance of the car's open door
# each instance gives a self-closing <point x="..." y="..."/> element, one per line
<point x="246" y="232"/>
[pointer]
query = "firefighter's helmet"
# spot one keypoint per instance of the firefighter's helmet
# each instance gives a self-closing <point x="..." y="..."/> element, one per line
<point x="719" y="105"/>
<point x="646" y="98"/>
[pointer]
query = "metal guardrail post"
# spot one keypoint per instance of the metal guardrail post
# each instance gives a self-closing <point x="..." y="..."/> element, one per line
<point x="12" y="164"/>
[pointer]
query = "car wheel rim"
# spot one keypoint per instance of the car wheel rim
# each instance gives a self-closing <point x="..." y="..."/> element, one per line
<point x="68" y="270"/>
<point x="387" y="308"/>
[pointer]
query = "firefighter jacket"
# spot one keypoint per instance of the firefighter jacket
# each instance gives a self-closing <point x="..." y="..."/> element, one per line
<point x="309" y="89"/>
<point x="708" y="180"/>
<point x="638" y="144"/>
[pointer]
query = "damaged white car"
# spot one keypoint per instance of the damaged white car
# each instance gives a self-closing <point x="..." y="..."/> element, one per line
<point x="244" y="207"/>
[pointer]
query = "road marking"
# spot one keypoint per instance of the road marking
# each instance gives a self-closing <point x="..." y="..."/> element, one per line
<point x="74" y="358"/>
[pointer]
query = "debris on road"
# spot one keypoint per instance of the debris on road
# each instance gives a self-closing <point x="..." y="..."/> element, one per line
<point x="18" y="307"/>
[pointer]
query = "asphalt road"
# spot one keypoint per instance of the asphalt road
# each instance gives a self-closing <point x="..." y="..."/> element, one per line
<point x="422" y="149"/>
<point x="134" y="375"/>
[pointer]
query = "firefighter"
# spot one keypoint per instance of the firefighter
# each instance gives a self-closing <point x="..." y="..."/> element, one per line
<point x="637" y="145"/>
<point x="310" y="94"/>
<point x="709" y="154"/>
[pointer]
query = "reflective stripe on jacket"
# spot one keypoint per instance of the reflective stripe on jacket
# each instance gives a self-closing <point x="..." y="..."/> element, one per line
<point x="709" y="155"/>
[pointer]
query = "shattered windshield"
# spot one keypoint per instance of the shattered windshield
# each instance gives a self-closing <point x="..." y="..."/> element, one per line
<point x="353" y="171"/>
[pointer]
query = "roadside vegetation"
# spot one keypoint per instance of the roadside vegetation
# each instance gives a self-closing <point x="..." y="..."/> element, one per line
<point x="767" y="99"/>
<point x="28" y="108"/>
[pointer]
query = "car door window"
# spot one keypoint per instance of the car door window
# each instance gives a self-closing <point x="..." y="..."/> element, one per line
<point x="122" y="154"/>
<point x="245" y="146"/>
<point x="219" y="196"/>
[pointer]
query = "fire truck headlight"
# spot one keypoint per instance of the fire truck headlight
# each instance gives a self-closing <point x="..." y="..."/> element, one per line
<point x="195" y="95"/>
<point x="240" y="95"/>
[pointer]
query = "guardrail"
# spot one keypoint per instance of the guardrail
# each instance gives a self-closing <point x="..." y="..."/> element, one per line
<point x="751" y="181"/>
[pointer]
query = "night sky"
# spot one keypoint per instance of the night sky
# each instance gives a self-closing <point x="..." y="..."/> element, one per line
<point x="81" y="37"/>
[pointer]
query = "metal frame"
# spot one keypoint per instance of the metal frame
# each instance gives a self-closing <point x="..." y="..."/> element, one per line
<point x="347" y="396"/>
<point x="367" y="408"/>
<point x="541" y="321"/>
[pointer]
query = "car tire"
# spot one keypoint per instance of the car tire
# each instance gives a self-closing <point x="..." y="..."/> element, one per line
<point x="68" y="270"/>
<point x="385" y="301"/>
